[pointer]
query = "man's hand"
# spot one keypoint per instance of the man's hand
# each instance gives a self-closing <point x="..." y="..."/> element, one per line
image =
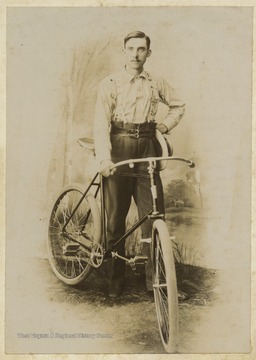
<point x="106" y="168"/>
<point x="162" y="128"/>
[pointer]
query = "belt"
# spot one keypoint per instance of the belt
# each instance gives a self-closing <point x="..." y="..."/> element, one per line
<point x="133" y="133"/>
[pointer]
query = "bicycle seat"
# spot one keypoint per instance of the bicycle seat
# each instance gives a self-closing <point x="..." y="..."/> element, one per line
<point x="86" y="143"/>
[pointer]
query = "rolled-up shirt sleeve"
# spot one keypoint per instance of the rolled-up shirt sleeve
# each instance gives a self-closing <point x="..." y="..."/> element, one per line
<point x="176" y="106"/>
<point x="102" y="121"/>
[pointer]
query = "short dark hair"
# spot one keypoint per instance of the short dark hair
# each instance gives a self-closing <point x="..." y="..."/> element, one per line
<point x="137" y="34"/>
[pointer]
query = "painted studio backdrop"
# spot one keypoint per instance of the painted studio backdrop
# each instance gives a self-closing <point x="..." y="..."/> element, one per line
<point x="55" y="60"/>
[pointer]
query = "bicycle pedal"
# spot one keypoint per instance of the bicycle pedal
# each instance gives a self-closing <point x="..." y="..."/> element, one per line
<point x="140" y="259"/>
<point x="147" y="240"/>
<point x="133" y="266"/>
<point x="70" y="249"/>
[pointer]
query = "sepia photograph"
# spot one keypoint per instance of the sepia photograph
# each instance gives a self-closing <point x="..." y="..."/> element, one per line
<point x="128" y="180"/>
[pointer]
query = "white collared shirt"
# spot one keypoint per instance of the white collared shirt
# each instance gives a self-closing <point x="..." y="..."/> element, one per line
<point x="129" y="98"/>
<point x="132" y="98"/>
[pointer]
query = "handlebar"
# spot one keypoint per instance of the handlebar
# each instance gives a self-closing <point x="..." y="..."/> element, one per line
<point x="152" y="160"/>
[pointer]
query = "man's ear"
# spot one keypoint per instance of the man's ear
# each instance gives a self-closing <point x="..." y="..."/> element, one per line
<point x="149" y="53"/>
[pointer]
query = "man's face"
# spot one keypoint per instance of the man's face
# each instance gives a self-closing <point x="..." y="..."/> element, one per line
<point x="136" y="53"/>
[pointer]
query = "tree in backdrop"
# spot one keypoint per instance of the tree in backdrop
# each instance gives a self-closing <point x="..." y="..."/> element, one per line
<point x="183" y="191"/>
<point x="89" y="65"/>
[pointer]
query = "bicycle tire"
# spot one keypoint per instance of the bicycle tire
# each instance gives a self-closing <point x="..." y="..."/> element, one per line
<point x="165" y="286"/>
<point x="72" y="269"/>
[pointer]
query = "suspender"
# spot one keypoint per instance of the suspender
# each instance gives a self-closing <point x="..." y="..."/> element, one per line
<point x="153" y="100"/>
<point x="119" y="112"/>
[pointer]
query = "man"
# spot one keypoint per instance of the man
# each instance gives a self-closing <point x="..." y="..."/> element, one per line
<point x="124" y="128"/>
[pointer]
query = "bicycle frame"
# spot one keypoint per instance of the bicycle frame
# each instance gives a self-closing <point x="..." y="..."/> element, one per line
<point x="99" y="184"/>
<point x="75" y="244"/>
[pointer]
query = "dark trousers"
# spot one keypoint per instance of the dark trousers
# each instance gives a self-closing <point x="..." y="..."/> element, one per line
<point x="119" y="189"/>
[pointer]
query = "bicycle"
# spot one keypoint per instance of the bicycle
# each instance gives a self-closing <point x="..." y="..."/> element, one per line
<point x="77" y="243"/>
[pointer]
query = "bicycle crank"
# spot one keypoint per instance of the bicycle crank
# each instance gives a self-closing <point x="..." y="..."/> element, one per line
<point x="134" y="261"/>
<point x="93" y="255"/>
<point x="97" y="255"/>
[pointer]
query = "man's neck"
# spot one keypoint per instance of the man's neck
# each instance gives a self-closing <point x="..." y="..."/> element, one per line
<point x="133" y="72"/>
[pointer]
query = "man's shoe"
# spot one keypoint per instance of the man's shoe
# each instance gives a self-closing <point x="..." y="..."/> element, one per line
<point x="182" y="296"/>
<point x="114" y="291"/>
<point x="148" y="274"/>
<point x="149" y="284"/>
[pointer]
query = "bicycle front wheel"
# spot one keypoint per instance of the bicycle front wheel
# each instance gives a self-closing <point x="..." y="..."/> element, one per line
<point x="69" y="260"/>
<point x="165" y="286"/>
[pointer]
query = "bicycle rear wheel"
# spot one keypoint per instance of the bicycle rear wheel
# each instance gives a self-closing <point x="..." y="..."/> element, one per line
<point x="165" y="286"/>
<point x="70" y="259"/>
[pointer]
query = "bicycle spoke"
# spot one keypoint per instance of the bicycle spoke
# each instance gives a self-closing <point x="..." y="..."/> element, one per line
<point x="73" y="269"/>
<point x="59" y="259"/>
<point x="66" y="266"/>
<point x="79" y="263"/>
<point x="163" y="293"/>
<point x="164" y="316"/>
<point x="54" y="227"/>
<point x="165" y="307"/>
<point x="161" y="263"/>
<point x="165" y="287"/>
<point x="165" y="326"/>
<point x="163" y="297"/>
<point x="56" y="220"/>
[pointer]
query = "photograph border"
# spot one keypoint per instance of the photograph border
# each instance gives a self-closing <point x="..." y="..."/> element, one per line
<point x="66" y="3"/>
